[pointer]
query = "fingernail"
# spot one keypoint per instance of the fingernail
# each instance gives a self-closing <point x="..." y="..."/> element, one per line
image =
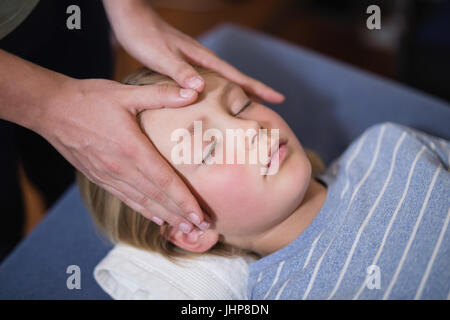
<point x="204" y="225"/>
<point x="195" y="82"/>
<point x="195" y="234"/>
<point x="186" y="93"/>
<point x="184" y="227"/>
<point x="194" y="218"/>
<point x="158" y="221"/>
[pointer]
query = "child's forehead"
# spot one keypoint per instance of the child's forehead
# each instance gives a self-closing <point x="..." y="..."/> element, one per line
<point x="214" y="83"/>
<point x="167" y="119"/>
<point x="210" y="95"/>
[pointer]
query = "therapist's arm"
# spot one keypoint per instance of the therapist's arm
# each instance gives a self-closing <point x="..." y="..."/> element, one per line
<point x="92" y="123"/>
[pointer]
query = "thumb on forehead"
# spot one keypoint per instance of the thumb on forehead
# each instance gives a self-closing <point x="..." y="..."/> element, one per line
<point x="139" y="98"/>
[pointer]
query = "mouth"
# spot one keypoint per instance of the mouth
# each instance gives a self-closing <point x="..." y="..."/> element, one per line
<point x="279" y="149"/>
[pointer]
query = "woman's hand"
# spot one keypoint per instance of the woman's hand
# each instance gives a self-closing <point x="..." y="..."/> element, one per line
<point x="92" y="123"/>
<point x="162" y="48"/>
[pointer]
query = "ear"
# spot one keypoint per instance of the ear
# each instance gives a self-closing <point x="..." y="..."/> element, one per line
<point x="195" y="241"/>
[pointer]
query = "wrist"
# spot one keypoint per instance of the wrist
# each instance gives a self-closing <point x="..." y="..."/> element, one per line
<point x="111" y="5"/>
<point x="59" y="91"/>
<point x="26" y="90"/>
<point x="124" y="14"/>
<point x="126" y="9"/>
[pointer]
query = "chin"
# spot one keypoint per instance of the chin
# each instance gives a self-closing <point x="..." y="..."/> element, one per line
<point x="294" y="181"/>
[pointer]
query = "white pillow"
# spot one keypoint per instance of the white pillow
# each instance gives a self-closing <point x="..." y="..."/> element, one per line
<point x="130" y="273"/>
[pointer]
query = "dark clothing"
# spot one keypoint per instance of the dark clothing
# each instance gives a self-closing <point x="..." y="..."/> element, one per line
<point x="43" y="38"/>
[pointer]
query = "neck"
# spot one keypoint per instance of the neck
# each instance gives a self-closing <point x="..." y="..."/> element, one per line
<point x="294" y="225"/>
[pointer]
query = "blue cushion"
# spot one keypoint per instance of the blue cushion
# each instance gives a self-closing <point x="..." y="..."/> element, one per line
<point x="328" y="105"/>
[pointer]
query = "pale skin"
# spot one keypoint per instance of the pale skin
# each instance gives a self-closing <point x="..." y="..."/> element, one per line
<point x="249" y="210"/>
<point x="92" y="123"/>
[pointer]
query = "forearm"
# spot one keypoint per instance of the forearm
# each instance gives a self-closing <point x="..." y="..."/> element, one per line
<point x="122" y="15"/>
<point x="116" y="10"/>
<point x="26" y="90"/>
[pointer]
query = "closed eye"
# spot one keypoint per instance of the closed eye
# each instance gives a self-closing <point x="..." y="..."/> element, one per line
<point x="212" y="145"/>
<point x="244" y="107"/>
<point x="210" y="150"/>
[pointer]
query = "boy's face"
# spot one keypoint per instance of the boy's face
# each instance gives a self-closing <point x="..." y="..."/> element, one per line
<point x="241" y="201"/>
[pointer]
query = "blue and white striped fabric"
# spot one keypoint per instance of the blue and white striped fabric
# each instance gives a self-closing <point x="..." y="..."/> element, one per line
<point x="382" y="232"/>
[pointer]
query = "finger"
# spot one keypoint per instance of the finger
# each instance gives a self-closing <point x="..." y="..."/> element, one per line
<point x="181" y="71"/>
<point x="128" y="200"/>
<point x="208" y="59"/>
<point x="137" y="182"/>
<point x="150" y="187"/>
<point x="177" y="198"/>
<point x="148" y="208"/>
<point x="169" y="185"/>
<point x="132" y="204"/>
<point x="133" y="198"/>
<point x="144" y="201"/>
<point x="250" y="85"/>
<point x="139" y="98"/>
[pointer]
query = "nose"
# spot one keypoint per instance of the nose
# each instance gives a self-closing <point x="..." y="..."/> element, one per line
<point x="262" y="140"/>
<point x="252" y="127"/>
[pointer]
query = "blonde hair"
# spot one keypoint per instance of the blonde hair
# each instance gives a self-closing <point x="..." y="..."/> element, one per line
<point x="122" y="224"/>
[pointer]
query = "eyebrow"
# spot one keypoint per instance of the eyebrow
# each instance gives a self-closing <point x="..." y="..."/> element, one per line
<point x="222" y="99"/>
<point x="226" y="92"/>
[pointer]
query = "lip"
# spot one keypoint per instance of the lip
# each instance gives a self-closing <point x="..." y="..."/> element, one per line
<point x="274" y="150"/>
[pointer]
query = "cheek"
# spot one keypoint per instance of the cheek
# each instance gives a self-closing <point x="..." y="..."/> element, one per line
<point x="289" y="188"/>
<point x="235" y="193"/>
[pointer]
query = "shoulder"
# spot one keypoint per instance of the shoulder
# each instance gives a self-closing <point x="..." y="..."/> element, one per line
<point x="387" y="127"/>
<point x="410" y="141"/>
<point x="388" y="133"/>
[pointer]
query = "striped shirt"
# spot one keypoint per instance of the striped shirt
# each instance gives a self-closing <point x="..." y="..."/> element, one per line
<point x="382" y="232"/>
